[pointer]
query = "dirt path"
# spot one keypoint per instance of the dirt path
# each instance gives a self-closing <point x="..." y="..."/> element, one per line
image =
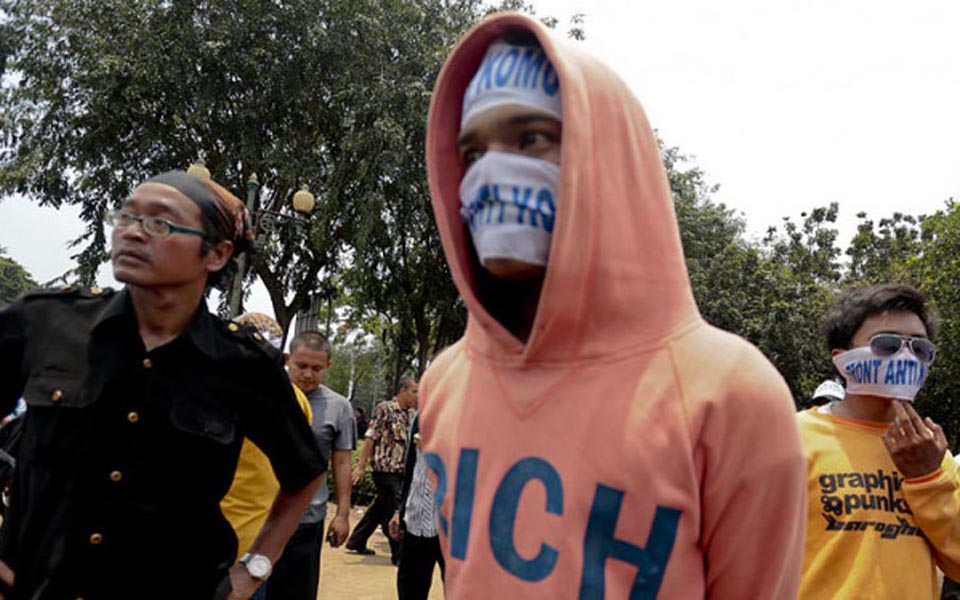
<point x="348" y="576"/>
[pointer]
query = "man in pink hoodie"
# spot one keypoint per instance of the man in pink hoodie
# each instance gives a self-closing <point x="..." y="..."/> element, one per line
<point x="590" y="436"/>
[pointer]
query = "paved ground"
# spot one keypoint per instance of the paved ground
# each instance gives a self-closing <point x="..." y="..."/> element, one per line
<point x="349" y="576"/>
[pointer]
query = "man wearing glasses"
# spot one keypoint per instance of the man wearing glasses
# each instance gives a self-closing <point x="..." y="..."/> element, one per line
<point x="138" y="404"/>
<point x="884" y="495"/>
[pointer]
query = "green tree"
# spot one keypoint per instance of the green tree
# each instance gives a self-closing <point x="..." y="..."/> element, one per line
<point x="936" y="269"/>
<point x="398" y="283"/>
<point x="801" y="274"/>
<point x="7" y="44"/>
<point x="14" y="279"/>
<point x="773" y="293"/>
<point x="357" y="369"/>
<point x="712" y="236"/>
<point x="329" y="93"/>
<point x="882" y="252"/>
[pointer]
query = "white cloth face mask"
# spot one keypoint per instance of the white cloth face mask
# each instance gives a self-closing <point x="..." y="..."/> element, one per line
<point x="509" y="203"/>
<point x="898" y="376"/>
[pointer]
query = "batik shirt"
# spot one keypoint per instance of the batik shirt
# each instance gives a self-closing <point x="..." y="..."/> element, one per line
<point x="388" y="427"/>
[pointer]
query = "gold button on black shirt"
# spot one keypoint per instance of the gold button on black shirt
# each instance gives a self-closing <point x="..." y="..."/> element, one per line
<point x="165" y="427"/>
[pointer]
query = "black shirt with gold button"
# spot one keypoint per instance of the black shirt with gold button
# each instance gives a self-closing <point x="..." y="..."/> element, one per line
<point x="125" y="453"/>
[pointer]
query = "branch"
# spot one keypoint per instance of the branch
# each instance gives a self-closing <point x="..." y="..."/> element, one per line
<point x="304" y="289"/>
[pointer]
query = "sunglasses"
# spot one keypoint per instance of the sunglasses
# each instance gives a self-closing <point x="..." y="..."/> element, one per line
<point x="888" y="344"/>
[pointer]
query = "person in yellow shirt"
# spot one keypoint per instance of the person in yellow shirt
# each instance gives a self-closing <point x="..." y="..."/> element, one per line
<point x="254" y="487"/>
<point x="883" y="493"/>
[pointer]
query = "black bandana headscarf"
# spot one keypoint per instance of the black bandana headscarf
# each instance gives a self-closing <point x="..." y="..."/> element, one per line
<point x="221" y="210"/>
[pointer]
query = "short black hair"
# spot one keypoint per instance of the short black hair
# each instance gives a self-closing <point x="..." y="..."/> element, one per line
<point x="854" y="305"/>
<point x="405" y="383"/>
<point x="313" y="340"/>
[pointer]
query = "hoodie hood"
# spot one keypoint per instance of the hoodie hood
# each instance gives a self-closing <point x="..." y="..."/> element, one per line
<point x="616" y="280"/>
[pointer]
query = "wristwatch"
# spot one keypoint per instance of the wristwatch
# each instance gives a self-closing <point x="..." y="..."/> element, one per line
<point x="258" y="565"/>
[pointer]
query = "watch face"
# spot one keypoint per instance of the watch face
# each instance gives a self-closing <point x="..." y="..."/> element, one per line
<point x="258" y="566"/>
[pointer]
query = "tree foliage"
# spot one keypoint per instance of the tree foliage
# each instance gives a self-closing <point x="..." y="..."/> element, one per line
<point x="358" y="370"/>
<point x="775" y="292"/>
<point x="772" y="293"/>
<point x="936" y="270"/>
<point x="14" y="278"/>
<point x="328" y="93"/>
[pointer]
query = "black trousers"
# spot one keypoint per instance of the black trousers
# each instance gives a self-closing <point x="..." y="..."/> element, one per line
<point x="417" y="557"/>
<point x="296" y="576"/>
<point x="389" y="487"/>
<point x="951" y="589"/>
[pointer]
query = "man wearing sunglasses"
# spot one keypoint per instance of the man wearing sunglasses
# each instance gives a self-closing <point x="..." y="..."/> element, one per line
<point x="884" y="495"/>
<point x="138" y="404"/>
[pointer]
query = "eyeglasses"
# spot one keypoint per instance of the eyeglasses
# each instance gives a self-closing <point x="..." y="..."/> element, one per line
<point x="155" y="226"/>
<point x="888" y="344"/>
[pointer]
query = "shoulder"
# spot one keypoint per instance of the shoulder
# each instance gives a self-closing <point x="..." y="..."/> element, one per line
<point x="441" y="365"/>
<point x="808" y="417"/>
<point x="332" y="395"/>
<point x="381" y="410"/>
<point x="56" y="308"/>
<point x="813" y="423"/>
<point x="334" y="399"/>
<point x="249" y="341"/>
<point x="69" y="291"/>
<point x="722" y="377"/>
<point x="712" y="360"/>
<point x="445" y="374"/>
<point x="67" y="294"/>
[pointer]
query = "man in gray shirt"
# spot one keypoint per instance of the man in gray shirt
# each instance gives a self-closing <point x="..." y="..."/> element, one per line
<point x="296" y="576"/>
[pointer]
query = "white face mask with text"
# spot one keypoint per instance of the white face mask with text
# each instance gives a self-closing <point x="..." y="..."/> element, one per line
<point x="898" y="376"/>
<point x="509" y="203"/>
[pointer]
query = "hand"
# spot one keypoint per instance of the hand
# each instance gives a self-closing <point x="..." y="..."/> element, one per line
<point x="339" y="529"/>
<point x="242" y="583"/>
<point x="393" y="527"/>
<point x="6" y="577"/>
<point x="357" y="475"/>
<point x="916" y="445"/>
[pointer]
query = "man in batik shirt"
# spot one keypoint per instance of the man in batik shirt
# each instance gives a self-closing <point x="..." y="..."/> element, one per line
<point x="386" y="439"/>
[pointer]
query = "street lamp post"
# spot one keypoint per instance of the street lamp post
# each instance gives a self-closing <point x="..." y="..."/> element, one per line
<point x="236" y="290"/>
<point x="264" y="221"/>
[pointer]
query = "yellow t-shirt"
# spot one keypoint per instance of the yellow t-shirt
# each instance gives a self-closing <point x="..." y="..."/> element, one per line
<point x="867" y="527"/>
<point x="254" y="488"/>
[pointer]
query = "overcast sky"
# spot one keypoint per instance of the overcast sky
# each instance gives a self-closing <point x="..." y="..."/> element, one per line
<point x="786" y="104"/>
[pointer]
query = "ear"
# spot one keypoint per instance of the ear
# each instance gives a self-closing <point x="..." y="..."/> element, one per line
<point x="836" y="351"/>
<point x="218" y="256"/>
<point x="286" y="358"/>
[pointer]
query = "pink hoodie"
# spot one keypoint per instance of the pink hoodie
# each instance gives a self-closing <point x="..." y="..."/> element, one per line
<point x="628" y="449"/>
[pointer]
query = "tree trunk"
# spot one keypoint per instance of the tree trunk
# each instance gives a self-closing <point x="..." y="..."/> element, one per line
<point x="398" y="367"/>
<point x="423" y="338"/>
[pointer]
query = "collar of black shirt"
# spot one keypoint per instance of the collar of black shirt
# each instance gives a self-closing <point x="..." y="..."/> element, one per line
<point x="208" y="333"/>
